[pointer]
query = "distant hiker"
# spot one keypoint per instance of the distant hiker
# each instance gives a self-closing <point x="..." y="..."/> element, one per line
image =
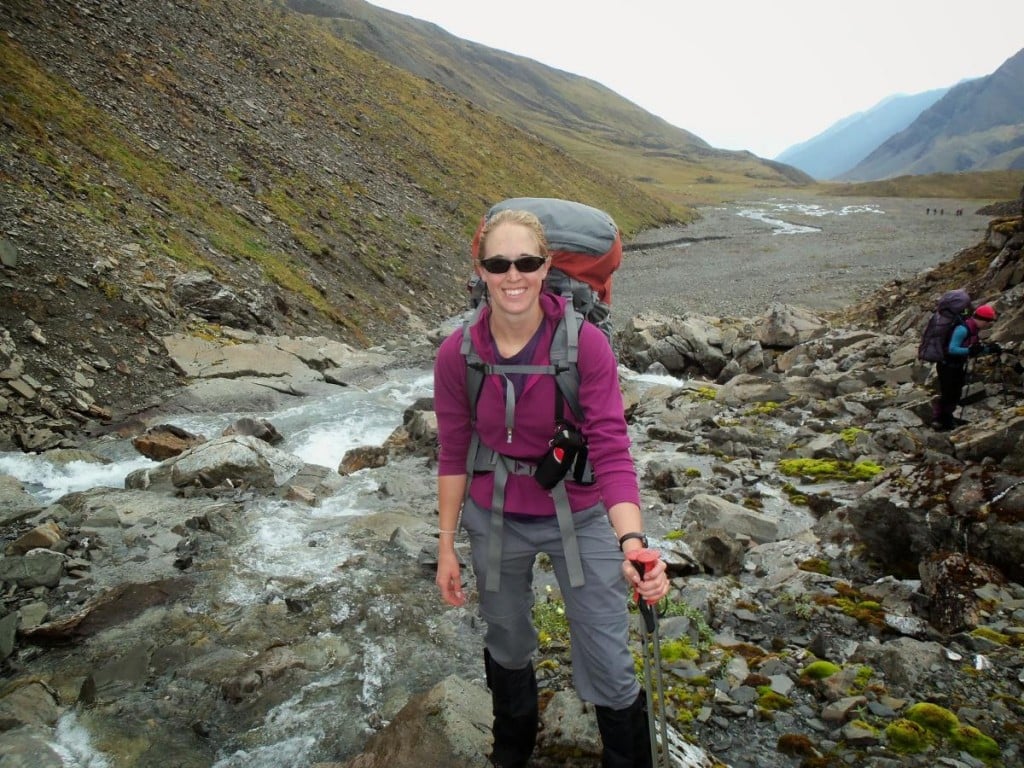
<point x="952" y="369"/>
<point x="511" y="518"/>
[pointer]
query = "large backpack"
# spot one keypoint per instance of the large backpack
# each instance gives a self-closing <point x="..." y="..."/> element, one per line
<point x="951" y="310"/>
<point x="586" y="249"/>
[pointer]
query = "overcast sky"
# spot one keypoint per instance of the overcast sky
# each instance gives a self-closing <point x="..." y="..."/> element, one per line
<point x="746" y="74"/>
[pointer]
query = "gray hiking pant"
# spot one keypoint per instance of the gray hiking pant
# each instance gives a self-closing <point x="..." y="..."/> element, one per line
<point x="602" y="664"/>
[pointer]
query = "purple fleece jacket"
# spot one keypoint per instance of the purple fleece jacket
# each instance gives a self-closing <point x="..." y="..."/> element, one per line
<point x="604" y="424"/>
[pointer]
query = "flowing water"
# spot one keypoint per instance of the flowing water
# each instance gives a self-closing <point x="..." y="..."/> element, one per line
<point x="379" y="640"/>
<point x="385" y="641"/>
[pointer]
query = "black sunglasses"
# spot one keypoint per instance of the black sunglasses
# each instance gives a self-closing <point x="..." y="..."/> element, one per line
<point x="499" y="265"/>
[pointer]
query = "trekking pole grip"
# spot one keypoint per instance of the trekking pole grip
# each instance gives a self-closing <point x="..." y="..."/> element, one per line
<point x="642" y="560"/>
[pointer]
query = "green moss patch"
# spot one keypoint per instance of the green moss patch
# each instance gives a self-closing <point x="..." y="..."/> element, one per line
<point x="830" y="469"/>
<point x="906" y="736"/>
<point x="819" y="670"/>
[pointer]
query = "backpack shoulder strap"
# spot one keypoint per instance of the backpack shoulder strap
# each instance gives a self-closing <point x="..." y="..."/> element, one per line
<point x="565" y="354"/>
<point x="474" y="363"/>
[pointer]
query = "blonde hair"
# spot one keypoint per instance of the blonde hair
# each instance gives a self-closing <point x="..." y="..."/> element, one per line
<point x="523" y="219"/>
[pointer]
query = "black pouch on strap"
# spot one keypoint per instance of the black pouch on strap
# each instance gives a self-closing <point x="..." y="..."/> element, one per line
<point x="566" y="447"/>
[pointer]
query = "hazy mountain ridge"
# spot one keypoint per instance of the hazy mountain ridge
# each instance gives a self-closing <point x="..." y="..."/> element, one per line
<point x="977" y="125"/>
<point x="848" y="141"/>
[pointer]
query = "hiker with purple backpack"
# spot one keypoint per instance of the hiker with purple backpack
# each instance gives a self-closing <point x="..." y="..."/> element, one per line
<point x="950" y="340"/>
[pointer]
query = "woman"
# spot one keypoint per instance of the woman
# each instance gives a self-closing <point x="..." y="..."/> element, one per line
<point x="516" y="327"/>
<point x="964" y="343"/>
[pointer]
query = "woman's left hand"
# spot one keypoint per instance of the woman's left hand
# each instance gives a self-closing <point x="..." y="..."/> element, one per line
<point x="654" y="585"/>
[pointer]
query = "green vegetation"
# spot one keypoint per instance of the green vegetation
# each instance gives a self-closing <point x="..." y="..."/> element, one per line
<point x="816" y="565"/>
<point x="795" y="496"/>
<point x="770" y="701"/>
<point x="933" y="717"/>
<point x="906" y="737"/>
<point x="855" y="604"/>
<point x="991" y="635"/>
<point x="974" y="742"/>
<point x="675" y="650"/>
<point x="862" y="680"/>
<point x="552" y="626"/>
<point x="819" y="670"/>
<point x="850" y="434"/>
<point x="938" y="722"/>
<point x="975" y="185"/>
<point x="830" y="469"/>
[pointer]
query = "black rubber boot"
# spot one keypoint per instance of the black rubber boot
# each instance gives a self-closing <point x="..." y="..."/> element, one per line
<point x="625" y="735"/>
<point x="514" y="700"/>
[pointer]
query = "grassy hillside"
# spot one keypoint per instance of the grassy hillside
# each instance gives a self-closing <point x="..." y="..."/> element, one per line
<point x="245" y="140"/>
<point x="976" y="185"/>
<point x="584" y="118"/>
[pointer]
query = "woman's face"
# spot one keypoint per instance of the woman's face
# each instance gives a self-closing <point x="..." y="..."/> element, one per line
<point x="512" y="293"/>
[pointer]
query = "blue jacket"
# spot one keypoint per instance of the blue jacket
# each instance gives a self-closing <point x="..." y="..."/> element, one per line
<point x="964" y="337"/>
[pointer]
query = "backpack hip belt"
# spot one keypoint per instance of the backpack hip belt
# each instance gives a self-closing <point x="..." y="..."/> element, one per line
<point x="563" y="514"/>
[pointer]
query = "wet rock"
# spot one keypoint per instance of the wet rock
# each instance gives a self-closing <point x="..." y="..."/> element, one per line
<point x="16" y="503"/>
<point x="164" y="441"/>
<point x="448" y="725"/>
<point x="362" y="457"/>
<point x="127" y="673"/>
<point x="259" y="428"/>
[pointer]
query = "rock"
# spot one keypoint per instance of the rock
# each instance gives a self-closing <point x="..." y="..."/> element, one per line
<point x="233" y="460"/>
<point x="260" y="428"/>
<point x="448" y="725"/>
<point x="784" y="326"/>
<point x="362" y="457"/>
<point x="38" y="568"/>
<point x="950" y="582"/>
<point x="15" y="502"/>
<point x="164" y="441"/>
<point x="45" y="536"/>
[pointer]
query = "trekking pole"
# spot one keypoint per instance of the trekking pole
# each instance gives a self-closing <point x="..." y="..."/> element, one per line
<point x="641" y="559"/>
<point x="967" y="383"/>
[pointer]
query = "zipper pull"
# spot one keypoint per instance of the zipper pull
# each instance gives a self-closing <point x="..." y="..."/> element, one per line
<point x="508" y="435"/>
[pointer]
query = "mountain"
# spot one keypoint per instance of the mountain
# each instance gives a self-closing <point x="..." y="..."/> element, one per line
<point x="581" y="116"/>
<point x="977" y="125"/>
<point x="845" y="143"/>
<point x="152" y="147"/>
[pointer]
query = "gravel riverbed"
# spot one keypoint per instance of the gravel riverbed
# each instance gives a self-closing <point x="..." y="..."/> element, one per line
<point x="735" y="262"/>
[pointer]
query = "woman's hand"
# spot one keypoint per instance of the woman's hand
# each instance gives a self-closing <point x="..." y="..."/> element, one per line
<point x="449" y="578"/>
<point x="654" y="584"/>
